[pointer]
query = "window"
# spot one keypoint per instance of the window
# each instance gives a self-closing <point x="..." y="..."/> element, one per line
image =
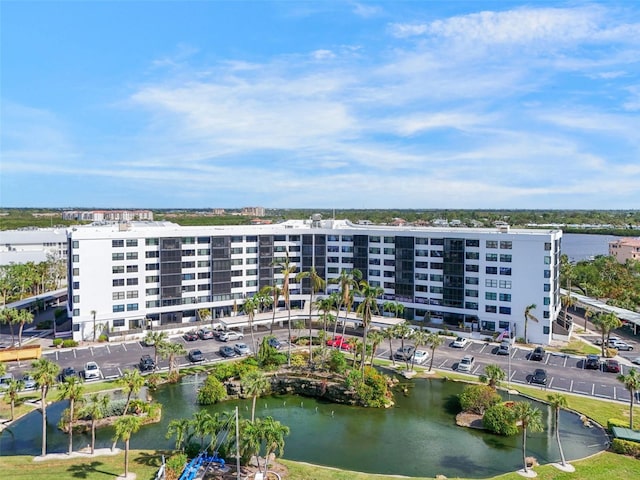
<point x="154" y="254"/>
<point x="132" y="255"/>
<point x="389" y="239"/>
<point x="505" y="310"/>
<point x="490" y="308"/>
<point x="547" y="246"/>
<point x="490" y="283"/>
<point x="76" y="313"/>
<point x="422" y="264"/>
<point x="505" y="284"/>
<point x="505" y="270"/>
<point x="422" y="241"/>
<point x="251" y="283"/>
<point x="374" y="250"/>
<point x="471" y="293"/>
<point x="347" y="238"/>
<point x="545" y="330"/>
<point x="188" y="288"/>
<point x="491" y="270"/>
<point x="204" y="263"/>
<point x="236" y="261"/>
<point x="132" y="294"/>
<point x="421" y="276"/>
<point x="115" y="256"/>
<point x="333" y="238"/>
<point x="119" y="322"/>
<point x="188" y="253"/>
<point x="204" y="251"/>
<point x="472" y="255"/>
<point x="75" y="272"/>
<point x="545" y="314"/>
<point x="132" y="268"/>
<point x="208" y="239"/>
<point x="118" y="282"/>
<point x="188" y="276"/>
<point x="505" y="245"/>
<point x="374" y="261"/>
<point x="252" y="261"/>
<point x="152" y="279"/>
<point x="505" y="258"/>
<point x="153" y="291"/>
<point x="389" y="285"/>
<point x="116" y="309"/>
<point x="471" y="268"/>
<point x="437" y="241"/>
<point x="132" y="307"/>
<point x="505" y="297"/>
<point x="434" y="289"/>
<point x="347" y="249"/>
<point x="117" y="269"/>
<point x="75" y="258"/>
<point x="389" y="274"/>
<point x="117" y="296"/>
<point x="471" y="281"/>
<point x="152" y="304"/>
<point x="132" y="281"/>
<point x="547" y="260"/>
<point x="491" y="244"/>
<point x="152" y="266"/>
<point x="437" y="253"/>
<point x="547" y="301"/>
<point x="436" y="277"/>
<point x="374" y="239"/>
<point x="202" y="275"/>
<point x="547" y="287"/>
<point x="389" y="262"/>
<point x="236" y="250"/>
<point x="374" y="283"/>
<point x="492" y="257"/>
<point x="75" y="244"/>
<point x="422" y="253"/>
<point x="333" y="248"/>
<point x="117" y="243"/>
<point x="389" y="251"/>
<point x="132" y="243"/>
<point x="472" y="243"/>
<point x="374" y="273"/>
<point x="490" y="295"/>
<point x="151" y="241"/>
<point x="471" y="305"/>
<point x="252" y="249"/>
<point x="547" y="274"/>
<point x="251" y="272"/>
<point x="188" y="240"/>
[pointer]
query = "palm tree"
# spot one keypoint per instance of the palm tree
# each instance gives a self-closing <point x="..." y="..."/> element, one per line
<point x="180" y="428"/>
<point x="588" y="313"/>
<point x="273" y="433"/>
<point x="434" y="341"/>
<point x="368" y="306"/>
<point x="390" y="333"/>
<point x="158" y="340"/>
<point x="404" y="331"/>
<point x="348" y="282"/>
<point x="95" y="409"/>
<point x="249" y="308"/>
<point x="605" y="323"/>
<point x="317" y="283"/>
<point x="493" y="375"/>
<point x="24" y="316"/>
<point x="11" y="394"/>
<point x="286" y="269"/>
<point x="255" y="383"/>
<point x="125" y="427"/>
<point x="376" y="339"/>
<point x="558" y="401"/>
<point x="275" y="292"/>
<point x="44" y="373"/>
<point x="396" y="308"/>
<point x="567" y="302"/>
<point x="202" y="424"/>
<point x="420" y="338"/>
<point x="251" y="440"/>
<point x="93" y="315"/>
<point x="73" y="390"/>
<point x="530" y="419"/>
<point x="529" y="316"/>
<point x="631" y="382"/>
<point x="8" y="317"/>
<point x="132" y="382"/>
<point x="325" y="305"/>
<point x="172" y="351"/>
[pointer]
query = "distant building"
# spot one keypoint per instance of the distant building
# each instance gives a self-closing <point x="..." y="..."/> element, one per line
<point x="625" y="249"/>
<point x="217" y="211"/>
<point x="253" y="211"/>
<point x="108" y="215"/>
<point x="32" y="245"/>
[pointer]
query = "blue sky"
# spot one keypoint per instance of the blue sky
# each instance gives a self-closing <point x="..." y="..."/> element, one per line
<point x="333" y="104"/>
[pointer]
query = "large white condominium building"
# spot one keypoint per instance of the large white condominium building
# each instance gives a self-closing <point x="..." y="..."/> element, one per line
<point x="138" y="275"/>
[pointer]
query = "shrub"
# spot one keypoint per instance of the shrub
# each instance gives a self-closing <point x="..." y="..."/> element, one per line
<point x="212" y="391"/>
<point x="610" y="352"/>
<point x="175" y="464"/>
<point x="616" y="422"/>
<point x="625" y="447"/>
<point x="298" y="360"/>
<point x="192" y="449"/>
<point x="57" y="342"/>
<point x="44" y="325"/>
<point x="115" y="408"/>
<point x="478" y="398"/>
<point x="337" y="362"/>
<point x="103" y="338"/>
<point x="153" y="380"/>
<point x="373" y="392"/>
<point x="68" y="342"/>
<point x="500" y="419"/>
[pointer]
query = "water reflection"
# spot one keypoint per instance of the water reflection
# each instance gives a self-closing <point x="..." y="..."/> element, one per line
<point x="418" y="437"/>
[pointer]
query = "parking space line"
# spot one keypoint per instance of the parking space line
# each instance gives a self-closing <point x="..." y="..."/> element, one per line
<point x="108" y="349"/>
<point x="513" y="375"/>
<point x="601" y="395"/>
<point x="74" y="353"/>
<point x="546" y="361"/>
<point x="119" y="371"/>
<point x="124" y="345"/>
<point x="483" y="347"/>
<point x="550" y="383"/>
<point x="615" y="396"/>
<point x="476" y="370"/>
<point x="571" y="386"/>
<point x="593" y="389"/>
<point x="442" y="364"/>
<point x="565" y="361"/>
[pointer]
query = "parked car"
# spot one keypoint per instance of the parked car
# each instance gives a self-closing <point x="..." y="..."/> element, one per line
<point x="339" y="342"/>
<point x="592" y="362"/>
<point x="191" y="336"/>
<point x="611" y="365"/>
<point x="636" y="361"/>
<point x="459" y="342"/>
<point x="205" y="334"/>
<point x="504" y="348"/>
<point x="196" y="355"/>
<point x="242" y="349"/>
<point x="420" y="356"/>
<point x="146" y="363"/>
<point x="29" y="382"/>
<point x="226" y="351"/>
<point x="273" y="342"/>
<point x="4" y="381"/>
<point x="537" y="354"/>
<point x="91" y="371"/>
<point x="466" y="364"/>
<point x="231" y="335"/>
<point x="539" y="377"/>
<point x="620" y="345"/>
<point x="68" y="373"/>
<point x="405" y="353"/>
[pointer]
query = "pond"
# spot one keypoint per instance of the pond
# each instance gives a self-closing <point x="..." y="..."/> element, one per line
<point x="418" y="437"/>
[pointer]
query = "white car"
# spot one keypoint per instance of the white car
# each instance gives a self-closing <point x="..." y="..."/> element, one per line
<point x="91" y="371"/>
<point x="231" y="335"/>
<point x="466" y="364"/>
<point x="636" y="361"/>
<point x="459" y="342"/>
<point x="420" y="356"/>
<point x="620" y="345"/>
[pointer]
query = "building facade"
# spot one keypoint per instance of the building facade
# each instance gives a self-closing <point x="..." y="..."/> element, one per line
<point x="108" y="215"/>
<point x="625" y="249"/>
<point x="140" y="275"/>
<point x="32" y="245"/>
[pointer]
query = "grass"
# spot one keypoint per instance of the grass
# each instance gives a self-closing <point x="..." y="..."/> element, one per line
<point x="577" y="347"/>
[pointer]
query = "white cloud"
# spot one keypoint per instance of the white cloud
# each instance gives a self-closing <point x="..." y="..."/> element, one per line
<point x="404" y="30"/>
<point x="366" y="11"/>
<point x="323" y="54"/>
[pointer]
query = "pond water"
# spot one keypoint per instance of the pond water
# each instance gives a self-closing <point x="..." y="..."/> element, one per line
<point x="418" y="437"/>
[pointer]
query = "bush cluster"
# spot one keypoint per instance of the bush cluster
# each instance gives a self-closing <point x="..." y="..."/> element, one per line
<point x="500" y="419"/>
<point x="617" y="422"/>
<point x="212" y="391"/>
<point x="625" y="447"/>
<point x="478" y="398"/>
<point x="373" y="392"/>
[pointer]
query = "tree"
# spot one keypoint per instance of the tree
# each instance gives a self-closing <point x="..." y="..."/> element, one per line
<point x="23" y="317"/>
<point x="631" y="382"/>
<point x="286" y="269"/>
<point x="558" y="401"/>
<point x="404" y="331"/>
<point x="8" y="317"/>
<point x="93" y="315"/>
<point x="529" y="316"/>
<point x="567" y="302"/>
<point x="390" y="333"/>
<point x="95" y="410"/>
<point x="132" y="382"/>
<point x="376" y="339"/>
<point x="317" y="283"/>
<point x="212" y="391"/>
<point x="125" y="427"/>
<point x="530" y="419"/>
<point x="255" y="383"/>
<point x="44" y="373"/>
<point x="180" y="428"/>
<point x="11" y="394"/>
<point x="493" y="375"/>
<point x="325" y="305"/>
<point x="367" y="307"/>
<point x="172" y="351"/>
<point x="273" y="433"/>
<point x="478" y="398"/>
<point x="605" y="323"/>
<point x="393" y="307"/>
<point x="348" y="281"/>
<point x="157" y="340"/>
<point x="434" y="341"/>
<point x="275" y="292"/>
<point x="588" y="313"/>
<point x="249" y="308"/>
<point x="72" y="390"/>
<point x="202" y="424"/>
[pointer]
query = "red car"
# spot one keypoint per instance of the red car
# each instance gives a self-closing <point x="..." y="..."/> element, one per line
<point x="611" y="366"/>
<point x="339" y="342"/>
